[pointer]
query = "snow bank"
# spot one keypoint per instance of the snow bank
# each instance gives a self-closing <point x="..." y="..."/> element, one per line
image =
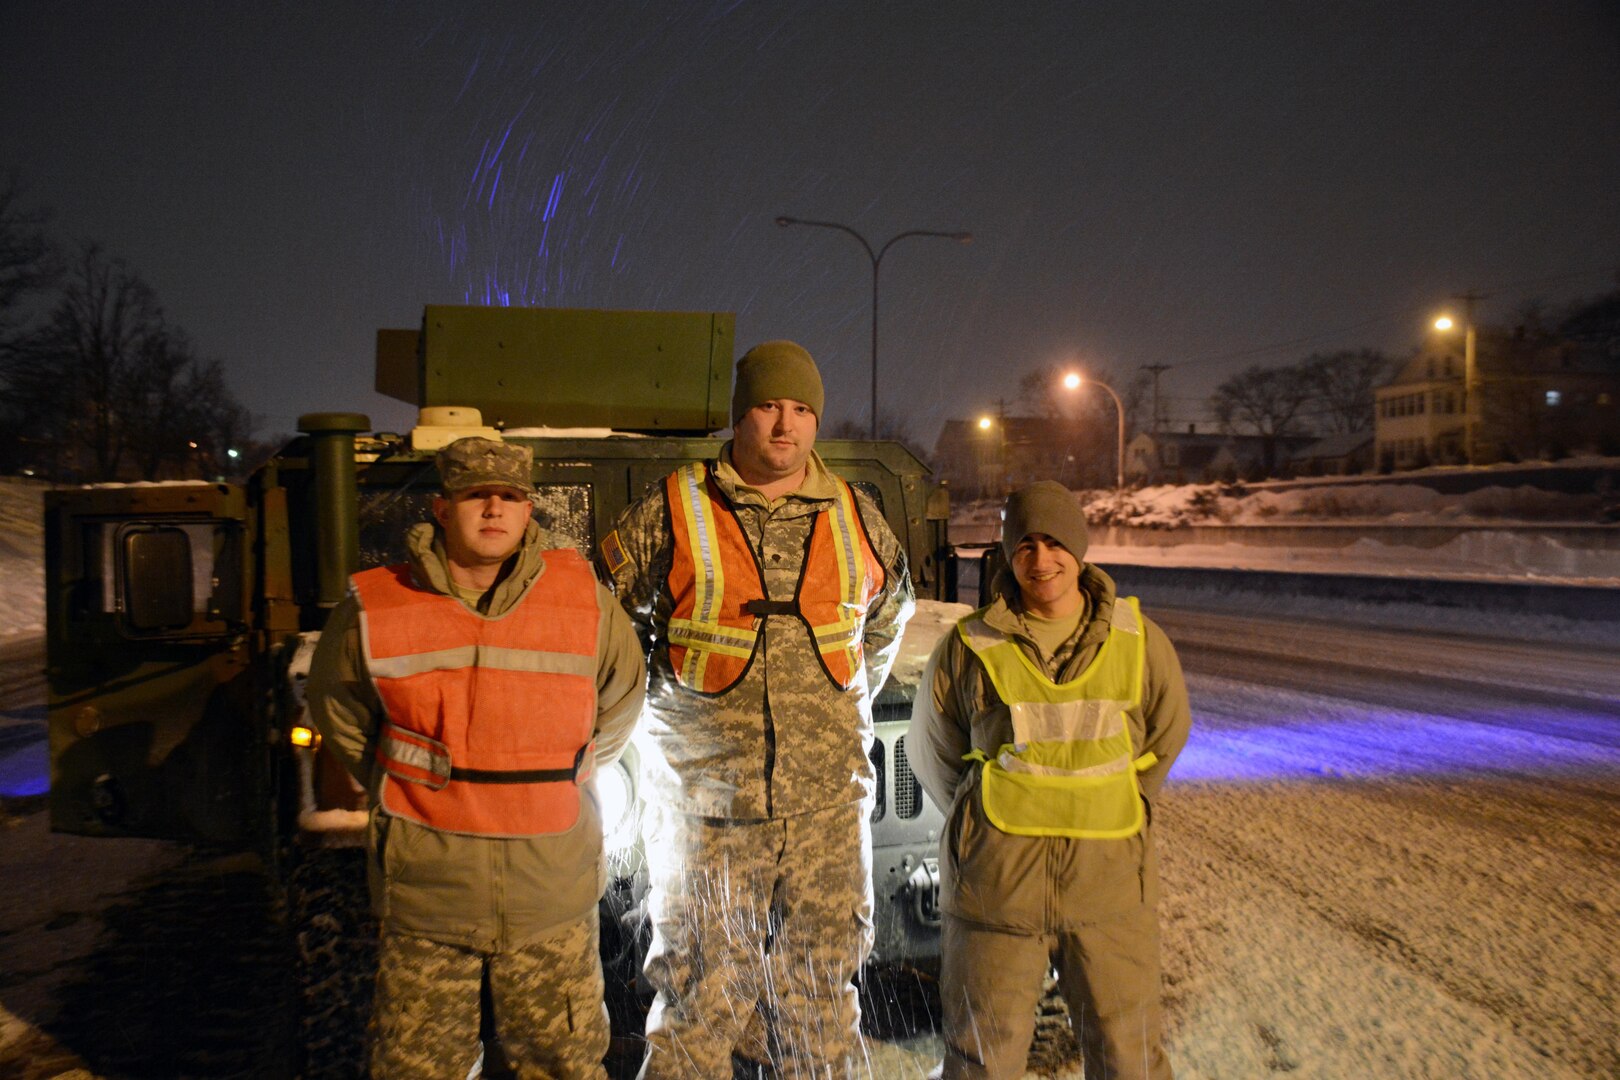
<point x="1388" y="504"/>
<point x="1483" y="555"/>
<point x="22" y="558"/>
<point x="1502" y="533"/>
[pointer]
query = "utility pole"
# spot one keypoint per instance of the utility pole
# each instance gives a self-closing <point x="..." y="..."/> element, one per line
<point x="1471" y="394"/>
<point x="1158" y="415"/>
<point x="1001" y="425"/>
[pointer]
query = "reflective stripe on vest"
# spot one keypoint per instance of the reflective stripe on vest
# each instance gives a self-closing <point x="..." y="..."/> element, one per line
<point x="718" y="591"/>
<point x="489" y="720"/>
<point x="1070" y="769"/>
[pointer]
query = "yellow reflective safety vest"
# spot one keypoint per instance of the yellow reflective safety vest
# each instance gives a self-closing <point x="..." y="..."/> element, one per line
<point x="1070" y="769"/>
<point x="718" y="589"/>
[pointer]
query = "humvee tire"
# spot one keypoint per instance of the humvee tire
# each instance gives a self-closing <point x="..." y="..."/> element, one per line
<point x="335" y="946"/>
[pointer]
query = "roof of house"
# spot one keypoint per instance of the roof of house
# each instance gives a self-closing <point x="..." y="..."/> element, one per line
<point x="1342" y="444"/>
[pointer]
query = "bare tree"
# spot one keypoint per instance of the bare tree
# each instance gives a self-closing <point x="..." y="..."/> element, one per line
<point x="221" y="429"/>
<point x="1041" y="393"/>
<point x="1265" y="401"/>
<point x="1342" y="385"/>
<point x="73" y="371"/>
<point x="110" y="389"/>
<point x="1595" y="321"/>
<point x="162" y="401"/>
<point x="27" y="263"/>
<point x="28" y="266"/>
<point x="890" y="425"/>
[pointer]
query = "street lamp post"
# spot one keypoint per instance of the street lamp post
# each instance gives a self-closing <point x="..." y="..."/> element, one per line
<point x="877" y="259"/>
<point x="1073" y="381"/>
<point x="1470" y="369"/>
<point x="986" y="424"/>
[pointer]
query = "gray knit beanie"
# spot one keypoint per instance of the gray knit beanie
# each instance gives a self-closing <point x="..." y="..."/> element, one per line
<point x="1045" y="506"/>
<point x="773" y="370"/>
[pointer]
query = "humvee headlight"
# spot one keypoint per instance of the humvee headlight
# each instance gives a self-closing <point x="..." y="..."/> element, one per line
<point x="304" y="736"/>
<point x="616" y="794"/>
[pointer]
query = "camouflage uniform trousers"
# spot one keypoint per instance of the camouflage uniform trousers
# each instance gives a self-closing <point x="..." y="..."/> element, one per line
<point x="547" y="997"/>
<point x="1108" y="973"/>
<point x="767" y="918"/>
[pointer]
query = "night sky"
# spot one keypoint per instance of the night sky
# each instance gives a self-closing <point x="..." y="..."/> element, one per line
<point x="1201" y="184"/>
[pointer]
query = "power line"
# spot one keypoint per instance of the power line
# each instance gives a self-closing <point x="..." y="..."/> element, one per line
<point x="1409" y="312"/>
<point x="1158" y="412"/>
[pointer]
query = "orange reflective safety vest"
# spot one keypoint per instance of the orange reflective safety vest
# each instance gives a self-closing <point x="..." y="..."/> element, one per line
<point x="489" y="719"/>
<point x="719" y="591"/>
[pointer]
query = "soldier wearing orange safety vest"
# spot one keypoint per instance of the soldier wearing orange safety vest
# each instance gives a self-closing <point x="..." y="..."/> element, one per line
<point x="1043" y="728"/>
<point x="771" y="594"/>
<point x="473" y="691"/>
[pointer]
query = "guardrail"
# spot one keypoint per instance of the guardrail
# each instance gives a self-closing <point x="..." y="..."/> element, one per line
<point x="1580" y="536"/>
<point x="1578" y="614"/>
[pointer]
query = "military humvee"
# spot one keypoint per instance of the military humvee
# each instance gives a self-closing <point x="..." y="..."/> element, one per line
<point x="181" y="617"/>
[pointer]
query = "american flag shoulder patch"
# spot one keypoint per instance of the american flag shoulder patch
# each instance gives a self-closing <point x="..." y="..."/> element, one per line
<point x="613" y="555"/>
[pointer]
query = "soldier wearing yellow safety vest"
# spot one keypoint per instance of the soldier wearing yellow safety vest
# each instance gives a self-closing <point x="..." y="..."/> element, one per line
<point x="1044" y="726"/>
<point x="772" y="595"/>
<point x="474" y="690"/>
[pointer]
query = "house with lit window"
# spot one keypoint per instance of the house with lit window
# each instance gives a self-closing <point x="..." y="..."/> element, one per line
<point x="1534" y="397"/>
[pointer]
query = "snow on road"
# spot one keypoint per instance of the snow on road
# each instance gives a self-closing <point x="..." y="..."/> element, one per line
<point x="1357" y="885"/>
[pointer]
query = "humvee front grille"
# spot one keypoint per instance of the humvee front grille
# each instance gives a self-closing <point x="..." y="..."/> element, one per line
<point x="907" y="791"/>
<point x="882" y="791"/>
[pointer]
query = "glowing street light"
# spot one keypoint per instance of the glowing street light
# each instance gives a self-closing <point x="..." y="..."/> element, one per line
<point x="1073" y="381"/>
<point x="876" y="256"/>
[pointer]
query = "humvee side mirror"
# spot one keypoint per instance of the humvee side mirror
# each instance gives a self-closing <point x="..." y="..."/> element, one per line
<point x="157" y="579"/>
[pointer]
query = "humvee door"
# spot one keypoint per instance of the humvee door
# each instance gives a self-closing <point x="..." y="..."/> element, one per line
<point x="152" y="723"/>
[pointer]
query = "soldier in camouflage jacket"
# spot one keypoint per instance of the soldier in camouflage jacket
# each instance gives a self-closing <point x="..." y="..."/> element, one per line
<point x="761" y="789"/>
<point x="503" y="906"/>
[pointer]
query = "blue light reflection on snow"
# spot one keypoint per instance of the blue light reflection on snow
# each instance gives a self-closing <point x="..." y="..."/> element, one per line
<point x="1389" y="744"/>
<point x="25" y="767"/>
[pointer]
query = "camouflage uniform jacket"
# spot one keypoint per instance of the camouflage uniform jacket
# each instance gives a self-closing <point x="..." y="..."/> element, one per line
<point x="1023" y="883"/>
<point x="482" y="892"/>
<point x="784" y="740"/>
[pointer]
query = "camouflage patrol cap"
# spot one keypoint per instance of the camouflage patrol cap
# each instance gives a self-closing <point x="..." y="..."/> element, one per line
<point x="475" y="462"/>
